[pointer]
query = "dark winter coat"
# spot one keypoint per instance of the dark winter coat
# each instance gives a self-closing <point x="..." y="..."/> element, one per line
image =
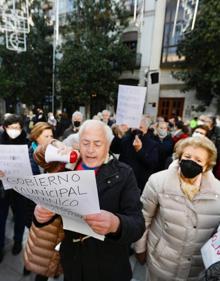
<point x="212" y="273"/>
<point x="69" y="131"/>
<point x="214" y="136"/>
<point x="28" y="204"/>
<point x="108" y="260"/>
<point x="61" y="126"/>
<point x="144" y="162"/>
<point x="165" y="150"/>
<point x="5" y="139"/>
<point x="21" y="139"/>
<point x="10" y="197"/>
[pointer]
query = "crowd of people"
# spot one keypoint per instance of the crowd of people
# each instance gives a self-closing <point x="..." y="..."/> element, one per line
<point x="158" y="187"/>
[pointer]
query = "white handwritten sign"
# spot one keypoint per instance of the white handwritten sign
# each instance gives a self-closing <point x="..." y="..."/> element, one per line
<point x="77" y="224"/>
<point x="211" y="250"/>
<point x="130" y="105"/>
<point x="69" y="194"/>
<point x="14" y="161"/>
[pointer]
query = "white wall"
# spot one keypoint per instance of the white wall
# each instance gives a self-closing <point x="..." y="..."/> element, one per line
<point x="152" y="37"/>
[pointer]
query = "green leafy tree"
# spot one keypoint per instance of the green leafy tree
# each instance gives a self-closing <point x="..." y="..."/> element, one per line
<point x="26" y="76"/>
<point x="201" y="68"/>
<point x="94" y="55"/>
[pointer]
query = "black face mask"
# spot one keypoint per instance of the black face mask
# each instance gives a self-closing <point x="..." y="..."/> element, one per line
<point x="76" y="124"/>
<point x="190" y="169"/>
<point x="137" y="132"/>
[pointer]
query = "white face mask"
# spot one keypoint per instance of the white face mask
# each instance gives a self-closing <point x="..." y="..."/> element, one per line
<point x="13" y="133"/>
<point x="162" y="133"/>
<point x="200" y="122"/>
<point x="196" y="134"/>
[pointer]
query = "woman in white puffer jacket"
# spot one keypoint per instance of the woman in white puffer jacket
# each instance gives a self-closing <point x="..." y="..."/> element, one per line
<point x="181" y="207"/>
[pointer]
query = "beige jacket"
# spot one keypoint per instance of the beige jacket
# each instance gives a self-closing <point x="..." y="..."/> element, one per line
<point x="40" y="255"/>
<point x="176" y="227"/>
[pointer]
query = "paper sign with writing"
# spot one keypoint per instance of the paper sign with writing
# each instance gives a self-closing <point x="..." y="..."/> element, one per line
<point x="14" y="161"/>
<point x="211" y="250"/>
<point x="130" y="105"/>
<point x="79" y="225"/>
<point x="69" y="194"/>
<point x="66" y="193"/>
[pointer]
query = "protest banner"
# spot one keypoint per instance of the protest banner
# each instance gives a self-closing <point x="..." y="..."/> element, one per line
<point x="14" y="161"/>
<point x="130" y="105"/>
<point x="69" y="194"/>
<point x="211" y="250"/>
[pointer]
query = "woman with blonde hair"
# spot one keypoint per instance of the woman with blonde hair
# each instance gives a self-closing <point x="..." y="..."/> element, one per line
<point x="41" y="134"/>
<point x="181" y="210"/>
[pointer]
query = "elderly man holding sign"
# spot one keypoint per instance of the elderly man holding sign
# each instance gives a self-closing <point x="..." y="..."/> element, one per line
<point x="85" y="258"/>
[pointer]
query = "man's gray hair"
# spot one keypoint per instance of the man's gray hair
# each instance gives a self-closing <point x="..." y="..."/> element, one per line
<point x="106" y="111"/>
<point x="77" y="113"/>
<point x="147" y="121"/>
<point x="95" y="123"/>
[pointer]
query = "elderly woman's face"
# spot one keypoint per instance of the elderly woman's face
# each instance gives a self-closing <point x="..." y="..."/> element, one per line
<point x="196" y="154"/>
<point x="93" y="146"/>
<point x="45" y="137"/>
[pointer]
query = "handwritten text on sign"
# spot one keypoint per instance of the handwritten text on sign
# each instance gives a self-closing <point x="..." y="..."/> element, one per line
<point x="211" y="250"/>
<point x="14" y="161"/>
<point x="65" y="193"/>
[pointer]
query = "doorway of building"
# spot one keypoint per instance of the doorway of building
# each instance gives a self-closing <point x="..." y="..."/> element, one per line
<point x="170" y="107"/>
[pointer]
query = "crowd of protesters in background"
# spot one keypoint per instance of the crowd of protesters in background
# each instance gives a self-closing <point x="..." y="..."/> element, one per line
<point x="153" y="151"/>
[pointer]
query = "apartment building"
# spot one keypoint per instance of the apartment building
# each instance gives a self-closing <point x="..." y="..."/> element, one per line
<point x="151" y="34"/>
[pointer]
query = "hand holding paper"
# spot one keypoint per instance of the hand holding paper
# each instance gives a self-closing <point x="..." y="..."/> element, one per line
<point x="42" y="214"/>
<point x="103" y="222"/>
<point x="66" y="194"/>
<point x="2" y="174"/>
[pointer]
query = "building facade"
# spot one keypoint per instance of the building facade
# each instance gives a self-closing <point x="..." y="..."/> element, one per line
<point x="151" y="31"/>
<point x="150" y="36"/>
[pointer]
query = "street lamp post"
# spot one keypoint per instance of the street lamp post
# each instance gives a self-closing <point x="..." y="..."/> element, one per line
<point x="55" y="40"/>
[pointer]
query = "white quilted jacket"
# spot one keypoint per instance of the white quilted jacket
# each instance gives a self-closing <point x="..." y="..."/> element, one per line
<point x="176" y="228"/>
